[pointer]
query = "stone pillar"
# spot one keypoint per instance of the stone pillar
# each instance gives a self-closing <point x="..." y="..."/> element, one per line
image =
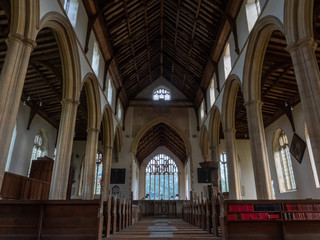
<point x="11" y="85"/>
<point x="215" y="176"/>
<point x="308" y="80"/>
<point x="232" y="162"/>
<point x="107" y="161"/>
<point x="61" y="167"/>
<point x="214" y="154"/>
<point x="259" y="151"/>
<point x="90" y="163"/>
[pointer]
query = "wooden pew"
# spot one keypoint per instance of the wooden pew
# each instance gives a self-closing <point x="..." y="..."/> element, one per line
<point x="114" y="215"/>
<point x="203" y="214"/>
<point x="20" y="187"/>
<point x="67" y="220"/>
<point x="49" y="220"/>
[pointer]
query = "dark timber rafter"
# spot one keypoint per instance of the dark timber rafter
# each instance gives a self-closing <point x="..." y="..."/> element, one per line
<point x="161" y="35"/>
<point x="147" y="37"/>
<point x="131" y="41"/>
<point x="176" y="37"/>
<point x="92" y="20"/>
<point x="192" y="42"/>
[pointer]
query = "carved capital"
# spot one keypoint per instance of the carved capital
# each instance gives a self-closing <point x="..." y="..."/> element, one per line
<point x="67" y="101"/>
<point x="309" y="42"/>
<point x="17" y="37"/>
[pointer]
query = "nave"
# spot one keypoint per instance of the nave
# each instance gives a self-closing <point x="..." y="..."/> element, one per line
<point x="162" y="228"/>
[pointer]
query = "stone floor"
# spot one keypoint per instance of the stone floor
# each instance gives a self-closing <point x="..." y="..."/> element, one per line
<point x="162" y="228"/>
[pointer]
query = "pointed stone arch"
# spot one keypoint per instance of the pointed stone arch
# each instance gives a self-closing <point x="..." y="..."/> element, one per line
<point x="90" y="85"/>
<point x="118" y="142"/>
<point x="143" y="130"/>
<point x="229" y="99"/>
<point x="204" y="143"/>
<point x="228" y="123"/>
<point x="298" y="20"/>
<point x="107" y="127"/>
<point x="254" y="58"/>
<point x="214" y="126"/>
<point x="66" y="39"/>
<point x="25" y="16"/>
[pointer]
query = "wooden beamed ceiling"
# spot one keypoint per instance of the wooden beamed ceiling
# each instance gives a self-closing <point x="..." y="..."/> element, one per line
<point x="148" y="39"/>
<point x="161" y="135"/>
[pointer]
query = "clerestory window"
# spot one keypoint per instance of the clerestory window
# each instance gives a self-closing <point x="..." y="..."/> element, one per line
<point x="161" y="94"/>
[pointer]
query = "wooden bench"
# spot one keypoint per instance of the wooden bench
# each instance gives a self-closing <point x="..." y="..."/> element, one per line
<point x="203" y="214"/>
<point x="65" y="219"/>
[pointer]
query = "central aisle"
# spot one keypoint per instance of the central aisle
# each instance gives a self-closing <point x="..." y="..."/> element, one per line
<point x="163" y="228"/>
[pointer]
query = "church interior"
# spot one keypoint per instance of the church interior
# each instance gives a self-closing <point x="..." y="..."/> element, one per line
<point x="197" y="119"/>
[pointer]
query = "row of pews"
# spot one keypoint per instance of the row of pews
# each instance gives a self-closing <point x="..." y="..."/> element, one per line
<point x="65" y="219"/>
<point x="203" y="213"/>
<point x="295" y="219"/>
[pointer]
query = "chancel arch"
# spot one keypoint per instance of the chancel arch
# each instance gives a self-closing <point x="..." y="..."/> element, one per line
<point x="160" y="134"/>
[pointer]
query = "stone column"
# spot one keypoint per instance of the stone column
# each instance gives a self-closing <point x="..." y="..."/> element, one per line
<point x="11" y="85"/>
<point x="308" y="80"/>
<point x="232" y="162"/>
<point x="107" y="161"/>
<point x="61" y="167"/>
<point x="259" y="151"/>
<point x="90" y="163"/>
<point x="214" y="154"/>
<point x="215" y="176"/>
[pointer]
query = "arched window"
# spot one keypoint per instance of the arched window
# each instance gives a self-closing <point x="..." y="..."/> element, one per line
<point x="283" y="162"/>
<point x="201" y="111"/>
<point x="161" y="94"/>
<point x="110" y="91"/>
<point x="227" y="60"/>
<point x="212" y="92"/>
<point x="95" y="58"/>
<point x="312" y="162"/>
<point x="224" y="172"/>
<point x="162" y="178"/>
<point x="119" y="111"/>
<point x="253" y="11"/>
<point x="39" y="148"/>
<point x="98" y="176"/>
<point x="71" y="8"/>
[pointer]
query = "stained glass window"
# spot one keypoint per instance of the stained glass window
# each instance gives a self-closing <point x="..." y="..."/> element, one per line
<point x="162" y="181"/>
<point x="98" y="178"/>
<point x="161" y="94"/>
<point x="224" y="172"/>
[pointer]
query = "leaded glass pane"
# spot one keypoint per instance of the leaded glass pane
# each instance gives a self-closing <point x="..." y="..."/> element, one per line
<point x="162" y="183"/>
<point x="98" y="174"/>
